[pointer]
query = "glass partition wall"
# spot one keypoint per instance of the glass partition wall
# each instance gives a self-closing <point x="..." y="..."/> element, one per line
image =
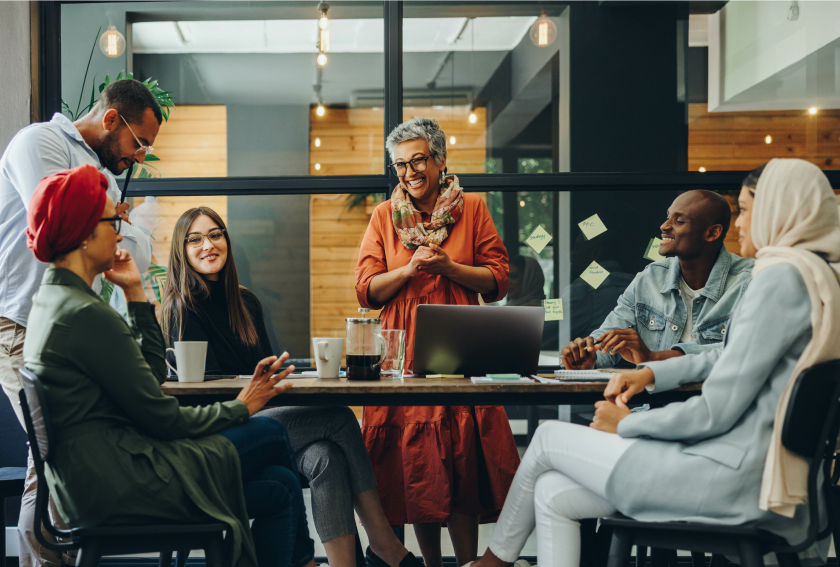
<point x="577" y="123"/>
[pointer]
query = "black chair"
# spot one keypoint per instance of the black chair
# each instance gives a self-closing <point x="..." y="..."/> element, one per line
<point x="810" y="429"/>
<point x="95" y="542"/>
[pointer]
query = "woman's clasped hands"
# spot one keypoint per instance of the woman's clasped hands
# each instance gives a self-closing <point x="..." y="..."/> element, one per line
<point x="263" y="386"/>
<point x="620" y="389"/>
<point x="431" y="259"/>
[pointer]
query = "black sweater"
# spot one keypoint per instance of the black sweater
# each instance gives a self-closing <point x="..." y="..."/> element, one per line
<point x="226" y="354"/>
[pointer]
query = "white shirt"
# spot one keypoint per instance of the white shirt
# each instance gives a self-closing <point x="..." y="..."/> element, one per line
<point x="688" y="295"/>
<point x="35" y="152"/>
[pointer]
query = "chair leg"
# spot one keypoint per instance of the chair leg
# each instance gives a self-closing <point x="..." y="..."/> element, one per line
<point x="750" y="554"/>
<point x="641" y="555"/>
<point x="660" y="557"/>
<point x="181" y="558"/>
<point x="788" y="559"/>
<point x="620" y="548"/>
<point x="214" y="551"/>
<point x="698" y="558"/>
<point x="90" y="553"/>
<point x="165" y="559"/>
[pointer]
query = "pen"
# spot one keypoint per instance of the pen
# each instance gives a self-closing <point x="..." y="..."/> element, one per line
<point x="125" y="185"/>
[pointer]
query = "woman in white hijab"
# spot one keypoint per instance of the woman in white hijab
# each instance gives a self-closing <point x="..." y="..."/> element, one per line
<point x="716" y="458"/>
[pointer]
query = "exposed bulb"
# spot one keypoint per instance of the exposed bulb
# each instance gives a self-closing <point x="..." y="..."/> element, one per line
<point x="320" y="110"/>
<point x="768" y="140"/>
<point x="702" y="170"/>
<point x="473" y="117"/>
<point x="813" y="110"/>
<point x="543" y="32"/>
<point x="452" y="140"/>
<point x="317" y="142"/>
<point x="317" y="167"/>
<point x="322" y="59"/>
<point x="112" y="42"/>
<point x="323" y="22"/>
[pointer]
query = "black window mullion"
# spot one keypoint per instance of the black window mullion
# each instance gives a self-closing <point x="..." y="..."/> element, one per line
<point x="393" y="77"/>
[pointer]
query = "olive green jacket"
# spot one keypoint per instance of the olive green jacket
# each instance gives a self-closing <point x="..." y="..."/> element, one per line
<point x="125" y="452"/>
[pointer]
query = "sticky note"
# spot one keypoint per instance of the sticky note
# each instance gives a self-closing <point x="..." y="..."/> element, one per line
<point x="652" y="250"/>
<point x="539" y="239"/>
<point x="553" y="309"/>
<point x="592" y="227"/>
<point x="594" y="275"/>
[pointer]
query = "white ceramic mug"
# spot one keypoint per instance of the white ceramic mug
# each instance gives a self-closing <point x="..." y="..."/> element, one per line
<point x="327" y="356"/>
<point x="190" y="357"/>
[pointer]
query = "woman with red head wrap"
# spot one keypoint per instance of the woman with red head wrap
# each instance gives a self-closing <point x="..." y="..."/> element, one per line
<point x="125" y="452"/>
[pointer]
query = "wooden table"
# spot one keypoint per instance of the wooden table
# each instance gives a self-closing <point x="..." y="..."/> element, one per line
<point x="416" y="392"/>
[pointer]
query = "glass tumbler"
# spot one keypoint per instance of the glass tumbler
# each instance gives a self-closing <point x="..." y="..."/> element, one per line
<point x="392" y="366"/>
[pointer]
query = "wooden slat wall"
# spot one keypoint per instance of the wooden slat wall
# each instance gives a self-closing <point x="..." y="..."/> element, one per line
<point x="193" y="143"/>
<point x="352" y="142"/>
<point x="732" y="141"/>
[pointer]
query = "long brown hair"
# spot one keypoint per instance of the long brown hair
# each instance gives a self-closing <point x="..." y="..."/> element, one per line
<point x="185" y="287"/>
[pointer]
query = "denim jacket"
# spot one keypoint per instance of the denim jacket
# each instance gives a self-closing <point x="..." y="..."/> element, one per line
<point x="653" y="306"/>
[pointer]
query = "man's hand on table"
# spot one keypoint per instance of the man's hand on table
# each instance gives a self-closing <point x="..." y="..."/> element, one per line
<point x="261" y="388"/>
<point x="580" y="354"/>
<point x="625" y="385"/>
<point x="608" y="414"/>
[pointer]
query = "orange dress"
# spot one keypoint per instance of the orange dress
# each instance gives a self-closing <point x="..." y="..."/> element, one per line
<point x="433" y="461"/>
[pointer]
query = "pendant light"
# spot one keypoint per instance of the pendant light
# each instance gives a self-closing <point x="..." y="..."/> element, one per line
<point x="112" y="42"/>
<point x="543" y="31"/>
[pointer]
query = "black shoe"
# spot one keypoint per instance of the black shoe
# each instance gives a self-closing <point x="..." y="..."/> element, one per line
<point x="375" y="561"/>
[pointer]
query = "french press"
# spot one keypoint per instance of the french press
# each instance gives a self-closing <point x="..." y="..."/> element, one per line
<point x="365" y="347"/>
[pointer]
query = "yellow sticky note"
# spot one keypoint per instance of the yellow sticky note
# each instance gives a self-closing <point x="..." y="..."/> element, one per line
<point x="592" y="227"/>
<point x="652" y="251"/>
<point x="539" y="239"/>
<point x="553" y="309"/>
<point x="594" y="275"/>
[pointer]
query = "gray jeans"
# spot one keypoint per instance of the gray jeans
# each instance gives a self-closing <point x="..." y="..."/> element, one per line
<point x="32" y="553"/>
<point x="331" y="454"/>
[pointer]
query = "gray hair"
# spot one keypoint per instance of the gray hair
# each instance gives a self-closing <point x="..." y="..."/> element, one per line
<point x="419" y="128"/>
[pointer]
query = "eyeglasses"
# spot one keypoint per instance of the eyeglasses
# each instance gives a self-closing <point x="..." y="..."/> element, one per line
<point x="400" y="168"/>
<point x="146" y="150"/>
<point x="196" y="239"/>
<point x="117" y="220"/>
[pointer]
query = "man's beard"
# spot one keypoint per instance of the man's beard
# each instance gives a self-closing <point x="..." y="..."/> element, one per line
<point x="108" y="152"/>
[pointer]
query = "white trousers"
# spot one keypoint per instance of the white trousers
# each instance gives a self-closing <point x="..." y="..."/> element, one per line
<point x="562" y="479"/>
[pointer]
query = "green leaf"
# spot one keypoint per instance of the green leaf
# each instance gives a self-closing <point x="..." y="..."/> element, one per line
<point x="87" y="69"/>
<point x="129" y="76"/>
<point x="152" y="157"/>
<point x="119" y="77"/>
<point x="92" y="93"/>
<point x="107" y="288"/>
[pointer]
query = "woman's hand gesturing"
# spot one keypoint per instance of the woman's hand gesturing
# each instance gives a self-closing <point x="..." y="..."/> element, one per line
<point x="124" y="273"/>
<point x="261" y="387"/>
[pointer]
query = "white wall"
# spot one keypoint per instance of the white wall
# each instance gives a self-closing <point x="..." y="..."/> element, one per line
<point x="14" y="68"/>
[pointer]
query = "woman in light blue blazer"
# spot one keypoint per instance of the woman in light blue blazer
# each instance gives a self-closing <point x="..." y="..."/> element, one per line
<point x="703" y="459"/>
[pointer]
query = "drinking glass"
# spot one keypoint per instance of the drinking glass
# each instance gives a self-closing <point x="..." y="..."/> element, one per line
<point x="392" y="366"/>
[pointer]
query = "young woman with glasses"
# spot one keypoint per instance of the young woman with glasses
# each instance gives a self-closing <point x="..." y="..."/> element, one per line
<point x="203" y="301"/>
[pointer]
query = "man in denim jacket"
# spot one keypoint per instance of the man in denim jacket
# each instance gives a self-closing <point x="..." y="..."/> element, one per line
<point x="699" y="277"/>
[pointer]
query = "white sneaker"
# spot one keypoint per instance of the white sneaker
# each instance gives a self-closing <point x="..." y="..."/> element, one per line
<point x="522" y="563"/>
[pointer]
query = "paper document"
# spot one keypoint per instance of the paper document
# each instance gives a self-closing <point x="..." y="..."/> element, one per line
<point x="486" y="380"/>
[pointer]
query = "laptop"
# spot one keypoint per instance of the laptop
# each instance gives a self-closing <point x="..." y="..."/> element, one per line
<point x="475" y="340"/>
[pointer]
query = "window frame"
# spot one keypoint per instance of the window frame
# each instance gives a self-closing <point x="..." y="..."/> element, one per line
<point x="47" y="79"/>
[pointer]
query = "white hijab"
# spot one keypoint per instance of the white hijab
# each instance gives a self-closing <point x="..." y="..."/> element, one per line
<point x="795" y="221"/>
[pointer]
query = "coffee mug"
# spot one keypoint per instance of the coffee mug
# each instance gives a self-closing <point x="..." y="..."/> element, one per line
<point x="327" y="356"/>
<point x="190" y="357"/>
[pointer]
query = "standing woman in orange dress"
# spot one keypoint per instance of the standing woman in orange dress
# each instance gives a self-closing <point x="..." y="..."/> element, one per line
<point x="431" y="243"/>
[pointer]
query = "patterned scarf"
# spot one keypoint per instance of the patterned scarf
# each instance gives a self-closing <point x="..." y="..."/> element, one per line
<point x="408" y="223"/>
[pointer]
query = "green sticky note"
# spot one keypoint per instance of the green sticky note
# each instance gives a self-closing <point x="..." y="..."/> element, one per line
<point x="553" y="309"/>
<point x="539" y="239"/>
<point x="592" y="227"/>
<point x="652" y="251"/>
<point x="504" y="376"/>
<point x="594" y="275"/>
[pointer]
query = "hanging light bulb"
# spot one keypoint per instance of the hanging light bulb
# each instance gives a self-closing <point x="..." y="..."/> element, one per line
<point x="317" y="166"/>
<point x="473" y="118"/>
<point x="452" y="140"/>
<point x="317" y="142"/>
<point x="768" y="140"/>
<point x="702" y="169"/>
<point x="812" y="110"/>
<point x="322" y="59"/>
<point x="112" y="42"/>
<point x="320" y="110"/>
<point x="543" y="31"/>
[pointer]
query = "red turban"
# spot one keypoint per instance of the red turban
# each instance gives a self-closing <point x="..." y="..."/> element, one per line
<point x="64" y="210"/>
